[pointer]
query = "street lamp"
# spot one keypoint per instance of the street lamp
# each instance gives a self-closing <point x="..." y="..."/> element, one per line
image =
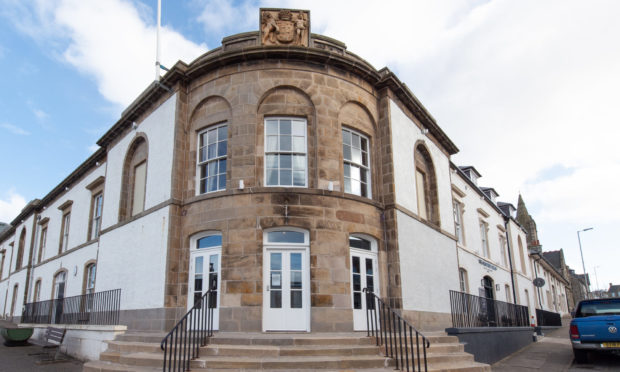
<point x="582" y="263"/>
<point x="598" y="289"/>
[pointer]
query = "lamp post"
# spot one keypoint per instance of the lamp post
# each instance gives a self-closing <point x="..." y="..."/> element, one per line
<point x="596" y="276"/>
<point x="582" y="262"/>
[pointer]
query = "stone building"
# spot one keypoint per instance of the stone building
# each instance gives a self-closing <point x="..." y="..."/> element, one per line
<point x="284" y="173"/>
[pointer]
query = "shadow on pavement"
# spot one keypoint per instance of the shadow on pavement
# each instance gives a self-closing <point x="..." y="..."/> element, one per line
<point x="16" y="359"/>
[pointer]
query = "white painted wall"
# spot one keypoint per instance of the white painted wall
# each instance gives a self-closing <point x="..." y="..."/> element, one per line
<point x="159" y="130"/>
<point x="80" y="216"/>
<point x="428" y="266"/>
<point x="73" y="263"/>
<point x="405" y="135"/>
<point x="133" y="257"/>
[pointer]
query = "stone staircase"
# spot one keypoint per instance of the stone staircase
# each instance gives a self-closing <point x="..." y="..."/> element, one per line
<point x="325" y="352"/>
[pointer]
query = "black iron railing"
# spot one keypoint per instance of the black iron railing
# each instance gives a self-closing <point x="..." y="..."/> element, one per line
<point x="402" y="342"/>
<point x="99" y="308"/>
<point x="548" y="319"/>
<point x="473" y="311"/>
<point x="183" y="342"/>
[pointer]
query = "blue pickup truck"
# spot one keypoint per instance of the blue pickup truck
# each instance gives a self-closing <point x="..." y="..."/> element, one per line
<point x="595" y="327"/>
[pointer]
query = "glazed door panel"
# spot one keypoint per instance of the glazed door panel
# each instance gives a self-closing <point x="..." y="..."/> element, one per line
<point x="363" y="275"/>
<point x="205" y="269"/>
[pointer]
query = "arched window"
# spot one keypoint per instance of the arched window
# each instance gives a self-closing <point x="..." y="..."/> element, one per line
<point x="90" y="273"/>
<point x="20" y="250"/>
<point x="356" y="157"/>
<point x="134" y="179"/>
<point x="522" y="256"/>
<point x="58" y="290"/>
<point x="37" y="291"/>
<point x="14" y="301"/>
<point x="426" y="186"/>
<point x="487" y="284"/>
<point x="463" y="281"/>
<point x="507" y="290"/>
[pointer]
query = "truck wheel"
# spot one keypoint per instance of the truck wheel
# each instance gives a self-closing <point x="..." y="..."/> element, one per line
<point x="581" y="356"/>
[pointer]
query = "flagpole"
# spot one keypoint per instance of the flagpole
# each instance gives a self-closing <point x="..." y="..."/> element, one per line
<point x="157" y="64"/>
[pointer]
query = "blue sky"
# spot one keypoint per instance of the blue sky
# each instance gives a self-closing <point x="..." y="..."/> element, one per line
<point x="527" y="90"/>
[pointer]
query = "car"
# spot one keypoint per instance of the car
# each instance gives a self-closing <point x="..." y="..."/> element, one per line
<point x="595" y="327"/>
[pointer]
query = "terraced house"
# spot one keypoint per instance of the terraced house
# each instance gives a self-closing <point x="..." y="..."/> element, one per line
<point x="286" y="175"/>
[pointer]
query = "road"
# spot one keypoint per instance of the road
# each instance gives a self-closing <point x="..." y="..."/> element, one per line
<point x="553" y="353"/>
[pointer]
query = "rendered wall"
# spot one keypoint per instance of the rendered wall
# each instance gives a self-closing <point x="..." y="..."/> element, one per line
<point x="159" y="130"/>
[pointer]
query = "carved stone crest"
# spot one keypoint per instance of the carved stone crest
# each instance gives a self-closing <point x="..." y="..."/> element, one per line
<point x="284" y="27"/>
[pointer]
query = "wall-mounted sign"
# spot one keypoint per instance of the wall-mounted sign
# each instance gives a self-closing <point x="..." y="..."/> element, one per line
<point x="539" y="282"/>
<point x="487" y="265"/>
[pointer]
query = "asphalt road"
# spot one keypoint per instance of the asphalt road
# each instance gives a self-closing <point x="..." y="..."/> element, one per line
<point x="553" y="353"/>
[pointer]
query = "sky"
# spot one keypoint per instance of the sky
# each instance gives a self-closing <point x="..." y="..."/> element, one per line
<point x="528" y="91"/>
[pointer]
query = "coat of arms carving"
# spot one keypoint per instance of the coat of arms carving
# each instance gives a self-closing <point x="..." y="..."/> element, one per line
<point x="284" y="27"/>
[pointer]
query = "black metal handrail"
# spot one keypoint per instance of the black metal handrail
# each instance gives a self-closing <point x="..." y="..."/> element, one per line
<point x="99" y="308"/>
<point x="548" y="318"/>
<point x="474" y="311"/>
<point x="183" y="342"/>
<point x="396" y="334"/>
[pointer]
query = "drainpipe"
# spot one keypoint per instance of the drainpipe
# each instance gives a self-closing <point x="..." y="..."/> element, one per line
<point x="537" y="288"/>
<point x="512" y="276"/>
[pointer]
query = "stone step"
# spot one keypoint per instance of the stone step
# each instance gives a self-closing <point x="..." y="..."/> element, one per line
<point x="275" y="351"/>
<point x="290" y="339"/>
<point x="142" y="359"/>
<point x="292" y="363"/>
<point x="461" y="367"/>
<point x="102" y="366"/>
<point x="133" y="346"/>
<point x="154" y="337"/>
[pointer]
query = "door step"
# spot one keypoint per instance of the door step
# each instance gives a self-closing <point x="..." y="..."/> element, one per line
<point x="324" y="352"/>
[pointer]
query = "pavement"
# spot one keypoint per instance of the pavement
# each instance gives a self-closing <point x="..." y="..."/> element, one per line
<point x="17" y="358"/>
<point x="554" y="353"/>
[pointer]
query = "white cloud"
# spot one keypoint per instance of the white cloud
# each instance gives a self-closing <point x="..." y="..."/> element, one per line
<point x="92" y="148"/>
<point x="222" y="16"/>
<point x="106" y="40"/>
<point x="10" y="206"/>
<point x="15" y="129"/>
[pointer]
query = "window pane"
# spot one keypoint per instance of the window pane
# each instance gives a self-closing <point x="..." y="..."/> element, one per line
<point x="286" y="162"/>
<point x="276" y="261"/>
<point x="363" y="175"/>
<point x="299" y="128"/>
<point x="346" y="152"/>
<point x="347" y="170"/>
<point x="296" y="262"/>
<point x="212" y="183"/>
<point x="276" y="299"/>
<point x="272" y="143"/>
<point x="364" y="144"/>
<point x="357" y="285"/>
<point x="272" y="127"/>
<point x="356" y="264"/>
<point x="299" y="162"/>
<point x="347" y="185"/>
<point x="370" y="283"/>
<point x="357" y="300"/>
<point x="356" y="155"/>
<point x="272" y="161"/>
<point x="364" y="189"/>
<point x="299" y="178"/>
<point x="355" y="141"/>
<point x="198" y="265"/>
<point x="369" y="270"/>
<point x="202" y="139"/>
<point x="285" y="237"/>
<point x="138" y="190"/>
<point x="296" y="300"/>
<point x="272" y="177"/>
<point x="203" y="185"/>
<point x="211" y="136"/>
<point x="286" y="177"/>
<point x="296" y="280"/>
<point x="285" y="143"/>
<point x="222" y="133"/>
<point x="356" y="188"/>
<point x="212" y="168"/>
<point x="222" y="166"/>
<point x="285" y="127"/>
<point x="346" y="137"/>
<point x="221" y="148"/>
<point x="212" y="150"/>
<point x="209" y="241"/>
<point x="364" y="158"/>
<point x="299" y="144"/>
<point x="222" y="182"/>
<point x="359" y="243"/>
<point x="203" y="154"/>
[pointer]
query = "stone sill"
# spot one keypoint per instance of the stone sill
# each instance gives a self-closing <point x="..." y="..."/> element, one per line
<point x="78" y="327"/>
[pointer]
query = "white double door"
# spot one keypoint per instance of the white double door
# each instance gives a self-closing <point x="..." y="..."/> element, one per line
<point x="205" y="267"/>
<point x="363" y="275"/>
<point x="286" y="289"/>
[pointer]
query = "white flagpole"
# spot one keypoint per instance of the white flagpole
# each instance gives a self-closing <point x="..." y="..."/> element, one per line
<point x="157" y="64"/>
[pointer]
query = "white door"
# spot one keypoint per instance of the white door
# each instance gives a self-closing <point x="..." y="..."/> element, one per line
<point x="204" y="275"/>
<point x="286" y="295"/>
<point x="363" y="275"/>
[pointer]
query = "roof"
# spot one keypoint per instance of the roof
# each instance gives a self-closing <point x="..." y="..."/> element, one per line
<point x="614" y="288"/>
<point x="554" y="258"/>
<point x="468" y="168"/>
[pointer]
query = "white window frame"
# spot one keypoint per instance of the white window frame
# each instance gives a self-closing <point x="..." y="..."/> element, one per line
<point x="503" y="249"/>
<point x="484" y="239"/>
<point x="458" y="222"/>
<point x="463" y="280"/>
<point x="66" y="222"/>
<point x="97" y="212"/>
<point x="361" y="166"/>
<point x="91" y="273"/>
<point x="281" y="152"/>
<point x="216" y="159"/>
